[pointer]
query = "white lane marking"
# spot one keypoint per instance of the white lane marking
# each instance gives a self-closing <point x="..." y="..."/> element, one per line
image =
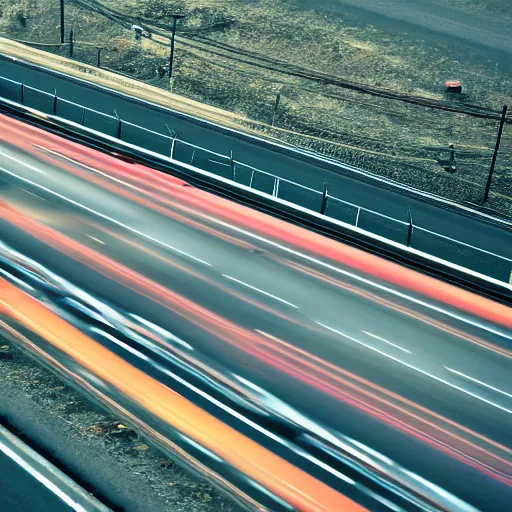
<point x="316" y="261"/>
<point x="28" y="166"/>
<point x="356" y="277"/>
<point x="103" y="216"/>
<point x="183" y="253"/>
<point x="410" y="366"/>
<point x="260" y="291"/>
<point x="479" y="382"/>
<point x="76" y="162"/>
<point x="229" y="410"/>
<point x="386" y="341"/>
<point x="95" y="239"/>
<point x="35" y="195"/>
<point x="41" y="478"/>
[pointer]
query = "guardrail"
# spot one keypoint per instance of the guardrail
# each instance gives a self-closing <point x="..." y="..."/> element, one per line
<point x="336" y="216"/>
<point x="41" y="482"/>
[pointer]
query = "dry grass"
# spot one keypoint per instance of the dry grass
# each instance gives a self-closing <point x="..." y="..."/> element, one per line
<point x="387" y="137"/>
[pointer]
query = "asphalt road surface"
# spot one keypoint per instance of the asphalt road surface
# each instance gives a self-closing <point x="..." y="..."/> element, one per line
<point x="373" y="196"/>
<point x="419" y="381"/>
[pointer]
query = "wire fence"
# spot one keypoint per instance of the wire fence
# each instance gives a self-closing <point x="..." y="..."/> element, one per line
<point x="442" y="147"/>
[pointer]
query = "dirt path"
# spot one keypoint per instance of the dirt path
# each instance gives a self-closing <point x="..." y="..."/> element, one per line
<point x="120" y="83"/>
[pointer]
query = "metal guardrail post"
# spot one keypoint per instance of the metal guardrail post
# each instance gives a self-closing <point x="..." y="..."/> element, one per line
<point x="495" y="154"/>
<point x="232" y="165"/>
<point x="55" y="103"/>
<point x="325" y="197"/>
<point x="173" y="148"/>
<point x="119" y="124"/>
<point x="98" y="58"/>
<point x="22" y="92"/>
<point x="410" y="229"/>
<point x="174" y="20"/>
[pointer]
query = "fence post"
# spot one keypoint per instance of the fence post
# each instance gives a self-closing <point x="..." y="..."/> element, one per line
<point x="71" y="44"/>
<point x="325" y="196"/>
<point x="173" y="147"/>
<point x="98" y="58"/>
<point x="55" y="103"/>
<point x="119" y="124"/>
<point x="495" y="155"/>
<point x="61" y="21"/>
<point x="276" y="106"/>
<point x="174" y="136"/>
<point x="410" y="229"/>
<point x="232" y="165"/>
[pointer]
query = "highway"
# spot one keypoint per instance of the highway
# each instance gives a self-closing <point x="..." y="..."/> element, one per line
<point x="343" y="183"/>
<point x="322" y="336"/>
<point x="31" y="484"/>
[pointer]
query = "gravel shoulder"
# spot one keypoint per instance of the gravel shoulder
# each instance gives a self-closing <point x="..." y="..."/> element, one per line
<point x="106" y="457"/>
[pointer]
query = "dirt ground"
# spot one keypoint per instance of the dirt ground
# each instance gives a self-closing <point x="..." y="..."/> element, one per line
<point x="104" y="455"/>
<point x="398" y="140"/>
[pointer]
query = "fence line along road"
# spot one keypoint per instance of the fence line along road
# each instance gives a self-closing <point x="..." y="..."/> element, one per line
<point x="452" y="236"/>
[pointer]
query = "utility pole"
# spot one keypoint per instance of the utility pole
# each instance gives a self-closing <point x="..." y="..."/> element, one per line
<point x="174" y="21"/>
<point x="495" y="154"/>
<point x="61" y="21"/>
<point x="71" y="43"/>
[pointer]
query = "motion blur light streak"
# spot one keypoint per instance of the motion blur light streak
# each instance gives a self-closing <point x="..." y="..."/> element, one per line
<point x="388" y="342"/>
<point x="325" y="371"/>
<point x="452" y="444"/>
<point x="298" y="488"/>
<point x="293" y="235"/>
<point x="413" y="367"/>
<point x="479" y="382"/>
<point x="260" y="291"/>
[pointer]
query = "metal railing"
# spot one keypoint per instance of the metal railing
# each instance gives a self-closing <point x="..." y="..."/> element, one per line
<point x="406" y="233"/>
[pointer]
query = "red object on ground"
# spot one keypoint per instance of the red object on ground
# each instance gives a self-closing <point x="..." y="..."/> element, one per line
<point x="454" y="86"/>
